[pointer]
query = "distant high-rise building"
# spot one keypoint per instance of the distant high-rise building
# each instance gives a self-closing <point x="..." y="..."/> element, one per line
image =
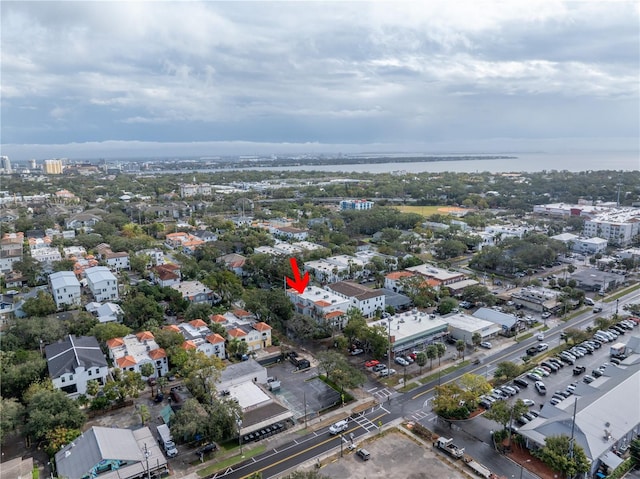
<point x="5" y="165"/>
<point x="33" y="164"/>
<point x="53" y="167"/>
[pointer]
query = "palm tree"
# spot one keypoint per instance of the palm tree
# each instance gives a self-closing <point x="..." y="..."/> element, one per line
<point x="441" y="350"/>
<point x="476" y="339"/>
<point x="460" y="347"/>
<point x="431" y="353"/>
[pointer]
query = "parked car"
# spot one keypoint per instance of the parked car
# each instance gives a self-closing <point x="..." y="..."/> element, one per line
<point x="401" y="361"/>
<point x="529" y="402"/>
<point x="486" y="345"/>
<point x="578" y="370"/>
<point x="379" y="367"/>
<point x="371" y="363"/>
<point x="546" y="315"/>
<point x="521" y="382"/>
<point x="588" y="379"/>
<point x="387" y="372"/>
<point x="357" y="351"/>
<point x="541" y="388"/>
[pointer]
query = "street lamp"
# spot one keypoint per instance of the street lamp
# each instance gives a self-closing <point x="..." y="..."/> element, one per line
<point x="341" y="444"/>
<point x="239" y="423"/>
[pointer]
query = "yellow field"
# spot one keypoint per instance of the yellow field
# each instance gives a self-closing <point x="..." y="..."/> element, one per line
<point x="425" y="210"/>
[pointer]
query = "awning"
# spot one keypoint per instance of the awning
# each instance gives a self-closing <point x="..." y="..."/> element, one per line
<point x="611" y="460"/>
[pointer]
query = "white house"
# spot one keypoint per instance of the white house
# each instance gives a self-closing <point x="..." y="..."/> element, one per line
<point x="102" y="283"/>
<point x="364" y="299"/>
<point x="74" y="361"/>
<point x="132" y="351"/>
<point x="198" y="336"/>
<point x="117" y="261"/>
<point x="65" y="288"/>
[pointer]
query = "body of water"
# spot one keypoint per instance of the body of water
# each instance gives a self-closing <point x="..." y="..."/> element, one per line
<point x="522" y="162"/>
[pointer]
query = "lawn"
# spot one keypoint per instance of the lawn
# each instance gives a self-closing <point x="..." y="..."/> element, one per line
<point x="224" y="464"/>
<point x="422" y="210"/>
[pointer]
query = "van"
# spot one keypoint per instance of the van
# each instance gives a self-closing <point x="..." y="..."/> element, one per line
<point x="166" y="441"/>
<point x="338" y="427"/>
<point x="589" y="301"/>
<point x="364" y="454"/>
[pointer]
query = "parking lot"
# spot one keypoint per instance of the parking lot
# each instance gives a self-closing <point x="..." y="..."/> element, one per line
<point x="555" y="381"/>
<point x="302" y="391"/>
<point x="392" y="455"/>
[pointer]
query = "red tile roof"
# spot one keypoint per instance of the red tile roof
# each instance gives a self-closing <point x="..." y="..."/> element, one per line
<point x="144" y="335"/>
<point x="188" y="345"/>
<point x="157" y="353"/>
<point x="261" y="326"/>
<point x="197" y="323"/>
<point x="126" y="361"/>
<point x="215" y="338"/>
<point x="115" y="342"/>
<point x="236" y="333"/>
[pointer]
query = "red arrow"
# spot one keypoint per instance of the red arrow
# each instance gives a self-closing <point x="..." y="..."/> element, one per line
<point x="298" y="283"/>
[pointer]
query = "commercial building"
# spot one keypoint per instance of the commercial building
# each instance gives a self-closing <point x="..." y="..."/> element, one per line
<point x="413" y="329"/>
<point x="537" y="299"/>
<point x="606" y="419"/>
<point x="439" y="277"/>
<point x="582" y="245"/>
<point x="619" y="226"/>
<point x="463" y="327"/>
<point x="112" y="453"/>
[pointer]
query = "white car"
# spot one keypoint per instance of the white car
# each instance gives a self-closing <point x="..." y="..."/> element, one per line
<point x="540" y="337"/>
<point x="486" y="345"/>
<point x="528" y="402"/>
<point x="546" y="315"/>
<point x="401" y="361"/>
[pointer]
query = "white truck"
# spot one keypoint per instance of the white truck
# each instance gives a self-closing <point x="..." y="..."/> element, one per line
<point x="617" y="350"/>
<point x="447" y="445"/>
<point x="166" y="441"/>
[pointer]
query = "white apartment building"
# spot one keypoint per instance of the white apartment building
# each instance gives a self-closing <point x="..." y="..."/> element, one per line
<point x="324" y="306"/>
<point x="356" y="205"/>
<point x="117" y="261"/>
<point x="365" y="300"/>
<point x="65" y="289"/>
<point x="618" y="226"/>
<point x="102" y="283"/>
<point x="132" y="351"/>
<point x="189" y="190"/>
<point x="198" y="336"/>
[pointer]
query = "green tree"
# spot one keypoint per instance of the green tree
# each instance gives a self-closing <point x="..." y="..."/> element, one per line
<point x="19" y="370"/>
<point x="506" y="370"/>
<point x="634" y="448"/>
<point x="63" y="265"/>
<point x="476" y="339"/>
<point x="474" y="386"/>
<point x="93" y="388"/>
<point x="11" y="417"/>
<point x="201" y="372"/>
<point x="142" y="312"/>
<point x="446" y="305"/>
<point x="58" y="438"/>
<point x="461" y="347"/>
<point x="556" y="455"/>
<point x="147" y="370"/>
<point x="431" y="353"/>
<point x="421" y="359"/>
<point x="42" y="305"/>
<point x="198" y="311"/>
<point x="82" y="324"/>
<point x="106" y="331"/>
<point x="503" y="412"/>
<point x="144" y="413"/>
<point x="441" y="351"/>
<point x="448" y="401"/>
<point x="48" y="410"/>
<point x="329" y="361"/>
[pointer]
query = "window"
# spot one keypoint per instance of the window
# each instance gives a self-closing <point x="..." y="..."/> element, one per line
<point x="89" y="372"/>
<point x="62" y="379"/>
<point x="70" y="377"/>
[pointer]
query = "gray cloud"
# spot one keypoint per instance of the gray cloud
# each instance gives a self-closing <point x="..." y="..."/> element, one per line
<point x="337" y="73"/>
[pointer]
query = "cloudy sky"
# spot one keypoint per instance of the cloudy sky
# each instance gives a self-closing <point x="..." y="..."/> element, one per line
<point x="245" y="77"/>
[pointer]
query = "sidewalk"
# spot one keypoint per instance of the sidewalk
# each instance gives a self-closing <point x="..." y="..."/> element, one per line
<point x="272" y="442"/>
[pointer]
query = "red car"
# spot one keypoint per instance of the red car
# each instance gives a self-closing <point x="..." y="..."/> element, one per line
<point x="371" y="363"/>
<point x="412" y="356"/>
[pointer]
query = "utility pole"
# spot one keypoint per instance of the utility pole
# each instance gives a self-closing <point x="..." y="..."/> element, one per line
<point x="146" y="457"/>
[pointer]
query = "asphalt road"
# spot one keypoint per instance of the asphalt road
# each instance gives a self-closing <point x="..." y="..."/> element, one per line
<point x="415" y="406"/>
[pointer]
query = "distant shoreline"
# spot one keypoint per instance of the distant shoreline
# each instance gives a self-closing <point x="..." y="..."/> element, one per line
<point x="296" y="162"/>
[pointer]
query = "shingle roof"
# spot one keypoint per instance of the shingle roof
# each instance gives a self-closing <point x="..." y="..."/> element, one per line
<point x="66" y="356"/>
